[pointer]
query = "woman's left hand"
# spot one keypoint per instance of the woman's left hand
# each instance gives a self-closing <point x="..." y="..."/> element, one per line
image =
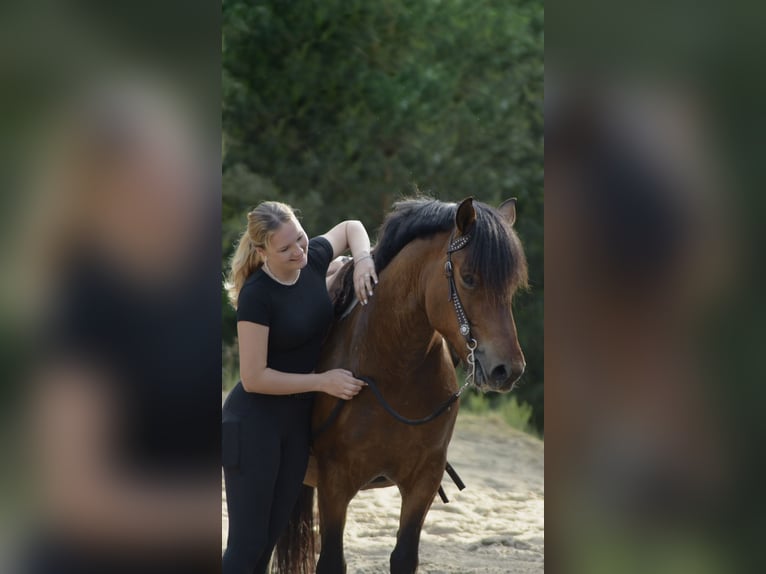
<point x="365" y="278"/>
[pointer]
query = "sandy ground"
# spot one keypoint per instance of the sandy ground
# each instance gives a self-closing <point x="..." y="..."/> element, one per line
<point x="493" y="526"/>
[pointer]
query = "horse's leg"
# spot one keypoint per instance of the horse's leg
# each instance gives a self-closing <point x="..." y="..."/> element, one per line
<point x="334" y="497"/>
<point x="417" y="495"/>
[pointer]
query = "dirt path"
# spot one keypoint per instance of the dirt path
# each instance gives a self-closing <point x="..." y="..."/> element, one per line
<point x="494" y="526"/>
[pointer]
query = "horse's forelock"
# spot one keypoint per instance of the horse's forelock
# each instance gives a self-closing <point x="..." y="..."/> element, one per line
<point x="496" y="254"/>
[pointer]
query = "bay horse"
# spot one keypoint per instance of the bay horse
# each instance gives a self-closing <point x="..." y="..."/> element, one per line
<point x="447" y="276"/>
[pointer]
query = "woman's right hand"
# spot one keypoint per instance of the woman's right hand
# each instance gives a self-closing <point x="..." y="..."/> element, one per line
<point x="341" y="383"/>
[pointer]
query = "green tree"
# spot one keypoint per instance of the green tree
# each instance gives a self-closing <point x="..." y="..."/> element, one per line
<point x="340" y="107"/>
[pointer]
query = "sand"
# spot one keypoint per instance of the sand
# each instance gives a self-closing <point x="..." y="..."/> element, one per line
<point x="493" y="526"/>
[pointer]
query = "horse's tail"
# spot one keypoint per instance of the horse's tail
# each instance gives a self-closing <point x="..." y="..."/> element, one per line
<point x="296" y="549"/>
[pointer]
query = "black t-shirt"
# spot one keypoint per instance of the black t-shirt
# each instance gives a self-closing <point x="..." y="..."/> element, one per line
<point x="298" y="316"/>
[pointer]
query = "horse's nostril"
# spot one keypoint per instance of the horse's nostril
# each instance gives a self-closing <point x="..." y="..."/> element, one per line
<point x="499" y="373"/>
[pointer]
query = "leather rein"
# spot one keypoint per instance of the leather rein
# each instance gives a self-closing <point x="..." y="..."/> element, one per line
<point x="455" y="244"/>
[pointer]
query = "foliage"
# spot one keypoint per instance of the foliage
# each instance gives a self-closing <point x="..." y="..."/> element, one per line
<point x="340" y="107"/>
<point x="516" y="415"/>
<point x="230" y="366"/>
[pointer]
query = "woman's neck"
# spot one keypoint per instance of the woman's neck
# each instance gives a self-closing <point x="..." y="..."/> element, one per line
<point x="281" y="276"/>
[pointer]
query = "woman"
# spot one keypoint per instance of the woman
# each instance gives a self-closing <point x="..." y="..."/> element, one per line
<point x="277" y="284"/>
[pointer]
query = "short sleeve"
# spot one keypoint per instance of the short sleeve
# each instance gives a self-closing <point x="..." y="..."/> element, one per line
<point x="254" y="305"/>
<point x="320" y="254"/>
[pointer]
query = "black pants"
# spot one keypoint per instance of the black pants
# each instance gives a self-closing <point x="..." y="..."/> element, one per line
<point x="265" y="453"/>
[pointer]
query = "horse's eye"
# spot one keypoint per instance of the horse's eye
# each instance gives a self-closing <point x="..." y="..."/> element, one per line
<point x="469" y="280"/>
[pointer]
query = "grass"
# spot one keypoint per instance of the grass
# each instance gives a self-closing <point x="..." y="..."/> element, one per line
<point x="506" y="408"/>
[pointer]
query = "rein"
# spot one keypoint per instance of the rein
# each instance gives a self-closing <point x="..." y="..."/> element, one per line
<point x="465" y="330"/>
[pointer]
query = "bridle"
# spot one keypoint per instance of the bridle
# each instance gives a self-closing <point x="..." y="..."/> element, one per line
<point x="455" y="244"/>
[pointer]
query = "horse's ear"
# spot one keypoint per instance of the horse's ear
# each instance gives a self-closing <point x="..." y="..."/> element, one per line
<point x="508" y="210"/>
<point x="465" y="216"/>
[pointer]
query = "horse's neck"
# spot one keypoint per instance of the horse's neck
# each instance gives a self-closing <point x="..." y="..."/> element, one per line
<point x="396" y="317"/>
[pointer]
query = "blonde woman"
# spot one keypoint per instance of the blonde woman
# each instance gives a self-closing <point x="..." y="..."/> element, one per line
<point x="277" y="285"/>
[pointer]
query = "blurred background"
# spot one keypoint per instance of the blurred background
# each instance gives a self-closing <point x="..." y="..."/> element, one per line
<point x="340" y="108"/>
<point x="653" y="242"/>
<point x="109" y="295"/>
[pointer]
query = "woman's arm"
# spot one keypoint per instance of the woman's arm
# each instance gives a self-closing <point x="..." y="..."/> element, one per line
<point x="258" y="378"/>
<point x="352" y="235"/>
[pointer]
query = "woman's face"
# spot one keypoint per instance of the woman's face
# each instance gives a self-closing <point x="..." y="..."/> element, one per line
<point x="286" y="251"/>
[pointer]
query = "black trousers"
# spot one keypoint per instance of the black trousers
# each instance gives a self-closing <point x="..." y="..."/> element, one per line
<point x="265" y="452"/>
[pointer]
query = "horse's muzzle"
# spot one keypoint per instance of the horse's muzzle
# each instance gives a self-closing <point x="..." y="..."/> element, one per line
<point x="498" y="376"/>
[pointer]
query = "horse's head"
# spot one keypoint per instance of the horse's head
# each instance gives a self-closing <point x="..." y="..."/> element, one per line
<point x="486" y="270"/>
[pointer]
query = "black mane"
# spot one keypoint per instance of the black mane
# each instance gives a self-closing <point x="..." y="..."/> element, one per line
<point x="494" y="252"/>
<point x="408" y="220"/>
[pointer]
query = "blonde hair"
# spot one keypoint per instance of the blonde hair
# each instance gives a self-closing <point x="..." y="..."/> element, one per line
<point x="262" y="222"/>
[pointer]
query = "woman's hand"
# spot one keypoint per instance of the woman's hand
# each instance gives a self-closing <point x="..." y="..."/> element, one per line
<point x="365" y="278"/>
<point x="340" y="383"/>
<point x="352" y="235"/>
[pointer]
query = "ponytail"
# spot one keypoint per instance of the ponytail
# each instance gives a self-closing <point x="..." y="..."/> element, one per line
<point x="245" y="261"/>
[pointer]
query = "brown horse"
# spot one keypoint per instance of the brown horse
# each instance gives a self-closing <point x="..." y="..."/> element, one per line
<point x="405" y="340"/>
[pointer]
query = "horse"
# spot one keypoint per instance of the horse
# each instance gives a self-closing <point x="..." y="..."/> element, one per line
<point x="447" y="276"/>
